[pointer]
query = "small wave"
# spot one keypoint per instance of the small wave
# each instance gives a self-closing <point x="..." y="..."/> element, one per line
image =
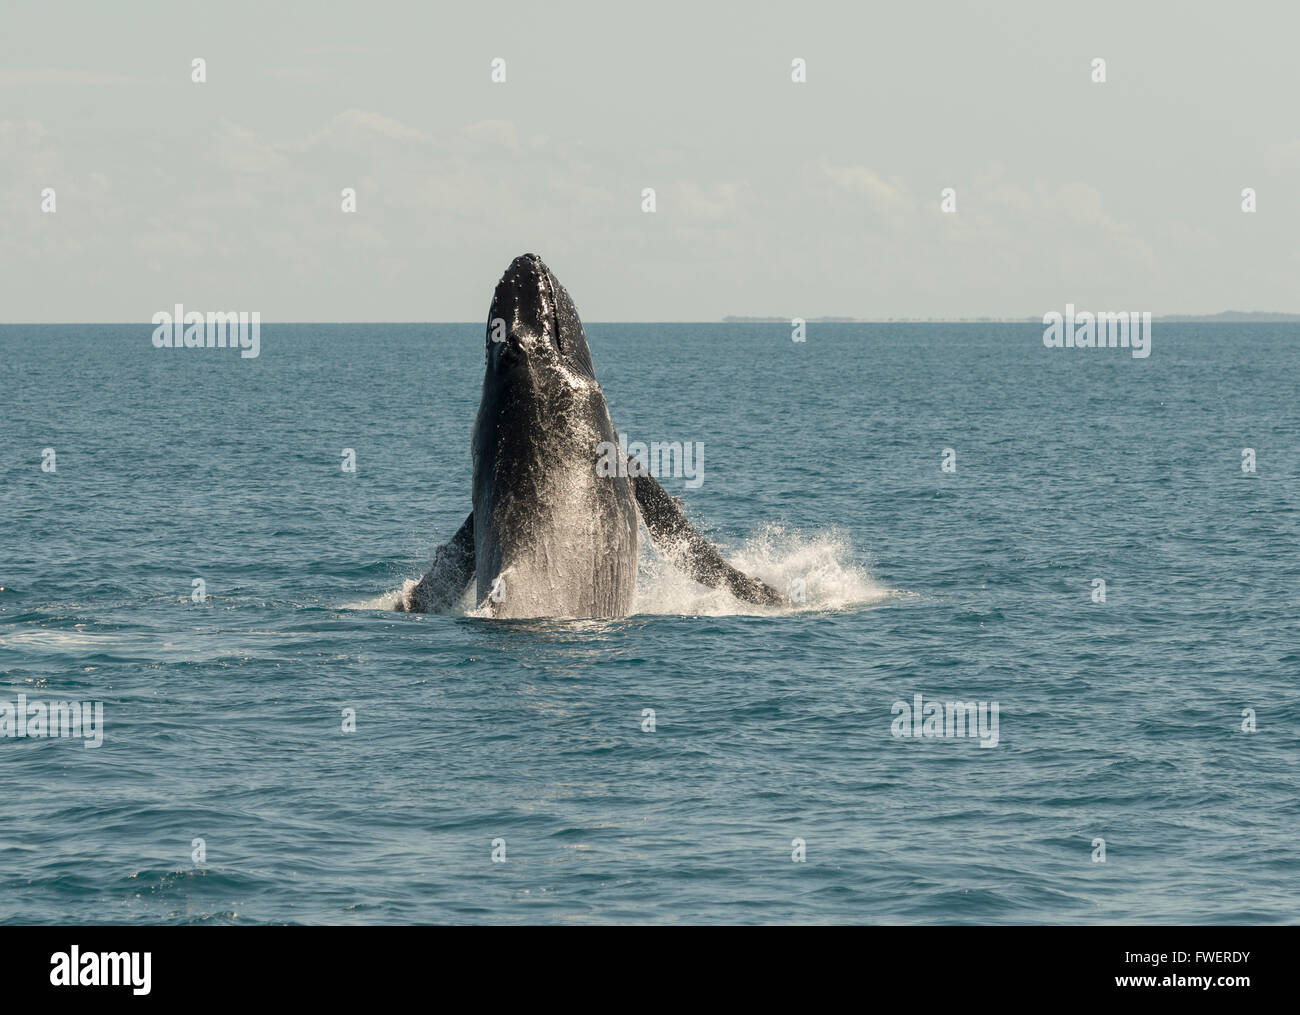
<point x="56" y="639"/>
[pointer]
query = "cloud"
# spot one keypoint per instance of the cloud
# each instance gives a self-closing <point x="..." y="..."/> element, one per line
<point x="499" y="133"/>
<point x="48" y="76"/>
<point x="862" y="182"/>
<point x="359" y="128"/>
<point x="241" y="151"/>
<point x="247" y="218"/>
<point x="15" y="134"/>
<point x="712" y="203"/>
<point x="1283" y="155"/>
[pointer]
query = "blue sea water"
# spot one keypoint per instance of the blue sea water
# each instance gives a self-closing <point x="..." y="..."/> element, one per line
<point x="1119" y="720"/>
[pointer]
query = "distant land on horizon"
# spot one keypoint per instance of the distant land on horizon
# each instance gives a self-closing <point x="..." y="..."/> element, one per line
<point x="1222" y="317"/>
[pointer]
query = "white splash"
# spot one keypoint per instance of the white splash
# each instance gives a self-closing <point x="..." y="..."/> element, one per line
<point x="825" y="564"/>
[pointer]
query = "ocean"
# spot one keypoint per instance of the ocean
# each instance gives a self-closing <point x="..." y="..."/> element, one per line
<point x="1073" y="540"/>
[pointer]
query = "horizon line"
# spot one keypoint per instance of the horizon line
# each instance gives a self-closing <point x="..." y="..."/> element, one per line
<point x="1223" y="316"/>
<point x="1226" y="317"/>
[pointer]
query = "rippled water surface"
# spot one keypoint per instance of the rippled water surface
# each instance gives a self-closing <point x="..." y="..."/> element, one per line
<point x="1119" y="720"/>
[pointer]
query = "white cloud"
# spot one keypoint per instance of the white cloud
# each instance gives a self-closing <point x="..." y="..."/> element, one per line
<point x="860" y="181"/>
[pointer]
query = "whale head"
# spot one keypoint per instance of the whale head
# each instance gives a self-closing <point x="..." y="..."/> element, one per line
<point x="552" y="536"/>
<point x="533" y="323"/>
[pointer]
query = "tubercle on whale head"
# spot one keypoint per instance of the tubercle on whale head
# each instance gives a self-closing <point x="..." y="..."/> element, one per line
<point x="533" y="319"/>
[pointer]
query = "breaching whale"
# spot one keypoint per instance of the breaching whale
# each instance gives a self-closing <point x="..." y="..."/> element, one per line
<point x="550" y="536"/>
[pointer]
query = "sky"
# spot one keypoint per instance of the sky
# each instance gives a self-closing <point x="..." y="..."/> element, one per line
<point x="772" y="198"/>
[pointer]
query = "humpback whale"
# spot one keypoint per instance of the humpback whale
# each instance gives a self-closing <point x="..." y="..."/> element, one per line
<point x="549" y="535"/>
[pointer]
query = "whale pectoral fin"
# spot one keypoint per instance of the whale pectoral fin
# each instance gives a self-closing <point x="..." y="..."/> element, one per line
<point x="678" y="538"/>
<point x="448" y="575"/>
